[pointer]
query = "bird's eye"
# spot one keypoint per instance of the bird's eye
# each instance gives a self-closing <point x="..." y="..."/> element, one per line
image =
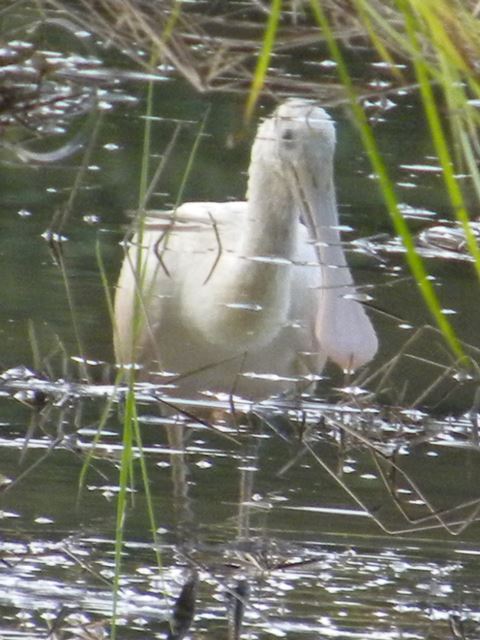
<point x="287" y="135"/>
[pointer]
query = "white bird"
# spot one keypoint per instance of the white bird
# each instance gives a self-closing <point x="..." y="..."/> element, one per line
<point x="250" y="297"/>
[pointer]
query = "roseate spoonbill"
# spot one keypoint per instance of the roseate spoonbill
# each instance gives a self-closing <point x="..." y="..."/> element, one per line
<point x="248" y="297"/>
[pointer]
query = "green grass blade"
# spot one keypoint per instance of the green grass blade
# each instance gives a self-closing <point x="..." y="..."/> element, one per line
<point x="364" y="8"/>
<point x="436" y="128"/>
<point x="148" y="494"/>
<point x="413" y="259"/>
<point x="264" y="57"/>
<point x="124" y="480"/>
<point x="191" y="159"/>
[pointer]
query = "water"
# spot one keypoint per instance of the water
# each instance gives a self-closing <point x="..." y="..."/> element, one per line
<point x="349" y="517"/>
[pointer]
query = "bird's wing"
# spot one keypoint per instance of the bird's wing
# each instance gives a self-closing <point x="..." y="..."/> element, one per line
<point x="195" y="216"/>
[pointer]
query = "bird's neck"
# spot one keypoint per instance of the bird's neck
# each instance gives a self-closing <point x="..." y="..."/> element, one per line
<point x="271" y="223"/>
<point x="247" y="297"/>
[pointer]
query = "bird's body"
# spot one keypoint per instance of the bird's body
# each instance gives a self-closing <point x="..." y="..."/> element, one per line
<point x="231" y="296"/>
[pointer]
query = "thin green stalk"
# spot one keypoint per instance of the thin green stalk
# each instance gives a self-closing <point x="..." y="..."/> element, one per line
<point x="161" y="167"/>
<point x="172" y="21"/>
<point x="148" y="494"/>
<point x="437" y="132"/>
<point x="139" y="266"/>
<point x="143" y="190"/>
<point x="431" y="18"/>
<point x="118" y="379"/>
<point x="124" y="478"/>
<point x="91" y="453"/>
<point x="136" y="427"/>
<point x="73" y="314"/>
<point x="363" y="10"/>
<point x="146" y="151"/>
<point x="104" y="279"/>
<point x="443" y="37"/>
<point x="413" y="259"/>
<point x="82" y="170"/>
<point x="191" y="159"/>
<point x="62" y="218"/>
<point x="131" y="429"/>
<point x="468" y="154"/>
<point x="392" y="36"/>
<point x="32" y="338"/>
<point x="147" y="135"/>
<point x="264" y="56"/>
<point x="457" y="105"/>
<point x="130" y="412"/>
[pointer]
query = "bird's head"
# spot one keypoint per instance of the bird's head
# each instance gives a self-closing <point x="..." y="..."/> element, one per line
<point x="299" y="136"/>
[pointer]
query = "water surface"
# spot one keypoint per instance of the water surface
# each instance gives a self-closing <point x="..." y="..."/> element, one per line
<point x="353" y="516"/>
